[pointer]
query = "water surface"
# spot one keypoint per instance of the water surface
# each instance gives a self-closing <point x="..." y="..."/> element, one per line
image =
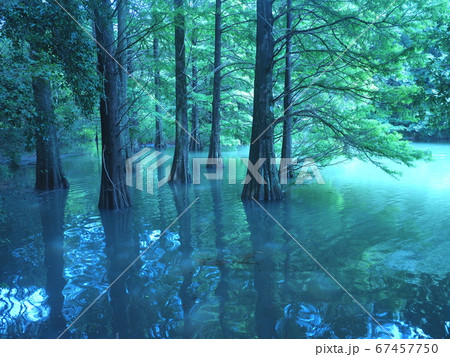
<point x="225" y="269"/>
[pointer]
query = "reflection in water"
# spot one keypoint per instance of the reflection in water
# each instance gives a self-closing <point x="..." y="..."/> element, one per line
<point x="122" y="250"/>
<point x="228" y="270"/>
<point x="222" y="286"/>
<point x="262" y="237"/>
<point x="187" y="291"/>
<point x="51" y="206"/>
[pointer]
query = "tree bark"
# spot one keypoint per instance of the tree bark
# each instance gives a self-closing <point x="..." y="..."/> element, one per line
<point x="263" y="117"/>
<point x="286" y="146"/>
<point x="180" y="172"/>
<point x="159" y="135"/>
<point x="214" y="142"/>
<point x="113" y="191"/>
<point x="49" y="172"/>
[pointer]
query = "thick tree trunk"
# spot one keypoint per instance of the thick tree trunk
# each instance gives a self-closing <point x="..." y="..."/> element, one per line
<point x="195" y="137"/>
<point x="113" y="191"/>
<point x="263" y="117"/>
<point x="180" y="172"/>
<point x="49" y="172"/>
<point x="159" y="135"/>
<point x="286" y="148"/>
<point x="214" y="142"/>
<point x="122" y="58"/>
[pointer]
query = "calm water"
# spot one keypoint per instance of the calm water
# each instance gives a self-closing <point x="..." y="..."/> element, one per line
<point x="225" y="269"/>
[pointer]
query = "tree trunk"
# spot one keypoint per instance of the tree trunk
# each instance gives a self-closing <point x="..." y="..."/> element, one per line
<point x="286" y="148"/>
<point x="194" y="144"/>
<point x="214" y="142"/>
<point x="113" y="191"/>
<point x="159" y="135"/>
<point x="263" y="117"/>
<point x="49" y="172"/>
<point x="180" y="172"/>
<point x="122" y="58"/>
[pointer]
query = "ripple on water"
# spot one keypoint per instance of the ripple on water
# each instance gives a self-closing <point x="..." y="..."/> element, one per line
<point x="308" y="318"/>
<point x="397" y="329"/>
<point x="21" y="307"/>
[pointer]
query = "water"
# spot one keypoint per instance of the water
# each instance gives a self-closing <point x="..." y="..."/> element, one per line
<point x="225" y="269"/>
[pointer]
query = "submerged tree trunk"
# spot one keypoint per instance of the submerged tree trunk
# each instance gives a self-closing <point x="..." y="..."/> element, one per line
<point x="286" y="148"/>
<point x="195" y="137"/>
<point x="263" y="117"/>
<point x="214" y="142"/>
<point x="180" y="172"/>
<point x="113" y="191"/>
<point x="49" y="172"/>
<point x="159" y="135"/>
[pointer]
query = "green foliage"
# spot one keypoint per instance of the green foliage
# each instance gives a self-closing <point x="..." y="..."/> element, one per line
<point x="366" y="74"/>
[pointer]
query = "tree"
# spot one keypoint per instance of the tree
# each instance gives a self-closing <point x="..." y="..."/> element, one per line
<point x="122" y="58"/>
<point x="180" y="167"/>
<point x="195" y="130"/>
<point x="113" y="191"/>
<point x="49" y="172"/>
<point x="159" y="135"/>
<point x="286" y="148"/>
<point x="51" y="51"/>
<point x="262" y="145"/>
<point x="214" y="142"/>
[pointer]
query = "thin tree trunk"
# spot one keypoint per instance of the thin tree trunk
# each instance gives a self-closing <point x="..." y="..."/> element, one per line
<point x="159" y="135"/>
<point x="122" y="57"/>
<point x="113" y="191"/>
<point x="263" y="117"/>
<point x="214" y="142"/>
<point x="180" y="167"/>
<point x="194" y="144"/>
<point x="286" y="148"/>
<point x="49" y="172"/>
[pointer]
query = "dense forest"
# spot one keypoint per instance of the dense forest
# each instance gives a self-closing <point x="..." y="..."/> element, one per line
<point x="296" y="79"/>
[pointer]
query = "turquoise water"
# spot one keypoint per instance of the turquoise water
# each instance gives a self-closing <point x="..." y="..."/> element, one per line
<point x="226" y="269"/>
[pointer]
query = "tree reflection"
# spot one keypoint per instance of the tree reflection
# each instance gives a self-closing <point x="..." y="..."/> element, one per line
<point x="222" y="287"/>
<point x="51" y="207"/>
<point x="262" y="235"/>
<point x="122" y="249"/>
<point x="187" y="293"/>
